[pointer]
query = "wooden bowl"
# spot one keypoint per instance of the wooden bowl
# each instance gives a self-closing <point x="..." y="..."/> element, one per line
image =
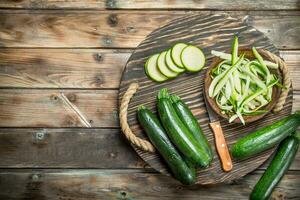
<point x="212" y="102"/>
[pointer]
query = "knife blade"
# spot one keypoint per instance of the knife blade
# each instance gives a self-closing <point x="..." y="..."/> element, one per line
<point x="220" y="141"/>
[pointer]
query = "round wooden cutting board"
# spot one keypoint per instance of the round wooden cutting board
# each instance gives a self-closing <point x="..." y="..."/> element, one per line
<point x="209" y="32"/>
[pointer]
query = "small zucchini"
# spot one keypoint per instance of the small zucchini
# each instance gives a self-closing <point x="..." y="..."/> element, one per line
<point x="266" y="137"/>
<point x="179" y="133"/>
<point x="150" y="123"/>
<point x="281" y="162"/>
<point x="191" y="123"/>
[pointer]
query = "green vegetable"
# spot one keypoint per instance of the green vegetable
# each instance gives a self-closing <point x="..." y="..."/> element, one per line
<point x="163" y="68"/>
<point x="263" y="64"/>
<point x="178" y="132"/>
<point x="160" y="140"/>
<point x="227" y="56"/>
<point x="192" y="58"/>
<point x="234" y="51"/>
<point x="188" y="119"/>
<point x="241" y="86"/>
<point x="176" y="52"/>
<point x="171" y="65"/>
<point x="266" y="137"/>
<point x="152" y="70"/>
<point x="281" y="162"/>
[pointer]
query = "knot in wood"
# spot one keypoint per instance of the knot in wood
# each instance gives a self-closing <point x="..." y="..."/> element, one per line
<point x="107" y="41"/>
<point x="71" y="97"/>
<point x="110" y="4"/>
<point x="54" y="98"/>
<point x="98" y="57"/>
<point x="130" y="29"/>
<point x="40" y="135"/>
<point x="35" y="177"/>
<point x="112" y="20"/>
<point x="98" y="80"/>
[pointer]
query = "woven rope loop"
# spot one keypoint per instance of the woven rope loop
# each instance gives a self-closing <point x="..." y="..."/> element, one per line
<point x="141" y="143"/>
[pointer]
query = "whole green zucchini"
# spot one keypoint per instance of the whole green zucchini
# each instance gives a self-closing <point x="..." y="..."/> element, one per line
<point x="178" y="133"/>
<point x="150" y="123"/>
<point x="191" y="123"/>
<point x="281" y="162"/>
<point x="266" y="137"/>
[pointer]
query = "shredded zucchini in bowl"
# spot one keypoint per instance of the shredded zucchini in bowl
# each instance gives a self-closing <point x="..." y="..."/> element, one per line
<point x="241" y="86"/>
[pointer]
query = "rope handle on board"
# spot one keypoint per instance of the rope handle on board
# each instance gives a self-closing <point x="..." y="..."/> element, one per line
<point x="141" y="143"/>
<point x="133" y="87"/>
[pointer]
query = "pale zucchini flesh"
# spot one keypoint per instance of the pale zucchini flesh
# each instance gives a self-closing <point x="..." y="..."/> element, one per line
<point x="171" y="65"/>
<point x="192" y="58"/>
<point x="163" y="68"/>
<point x="176" y="52"/>
<point x="152" y="70"/>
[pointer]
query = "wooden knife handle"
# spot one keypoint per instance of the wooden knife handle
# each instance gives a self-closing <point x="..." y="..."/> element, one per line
<point x="221" y="146"/>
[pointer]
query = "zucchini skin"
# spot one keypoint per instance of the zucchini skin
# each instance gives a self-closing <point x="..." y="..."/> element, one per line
<point x="187" y="117"/>
<point x="178" y="133"/>
<point x="281" y="162"/>
<point x="180" y="169"/>
<point x="266" y="137"/>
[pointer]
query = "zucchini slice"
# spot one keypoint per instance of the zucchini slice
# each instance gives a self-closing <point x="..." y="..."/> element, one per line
<point x="162" y="67"/>
<point x="192" y="58"/>
<point x="152" y="70"/>
<point x="171" y="65"/>
<point x="176" y="52"/>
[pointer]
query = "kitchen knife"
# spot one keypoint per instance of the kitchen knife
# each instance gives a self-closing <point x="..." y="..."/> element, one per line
<point x="221" y="145"/>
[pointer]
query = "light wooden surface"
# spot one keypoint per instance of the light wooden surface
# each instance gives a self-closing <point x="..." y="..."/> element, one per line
<point x="79" y="48"/>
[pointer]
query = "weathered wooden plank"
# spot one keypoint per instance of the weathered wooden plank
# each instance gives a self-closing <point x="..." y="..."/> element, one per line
<point x="147" y="4"/>
<point x="127" y="184"/>
<point x="292" y="59"/>
<point x="80" y="68"/>
<point x="58" y="148"/>
<point x="61" y="68"/>
<point x="55" y="108"/>
<point x="58" y="108"/>
<point x="123" y="29"/>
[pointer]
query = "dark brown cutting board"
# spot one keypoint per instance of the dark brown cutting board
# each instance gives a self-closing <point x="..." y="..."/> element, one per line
<point x="210" y="32"/>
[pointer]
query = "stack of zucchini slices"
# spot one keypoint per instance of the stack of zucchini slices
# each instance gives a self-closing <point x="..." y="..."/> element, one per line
<point x="172" y="62"/>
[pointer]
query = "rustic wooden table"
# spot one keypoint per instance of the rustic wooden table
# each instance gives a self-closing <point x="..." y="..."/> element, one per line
<point x="60" y="68"/>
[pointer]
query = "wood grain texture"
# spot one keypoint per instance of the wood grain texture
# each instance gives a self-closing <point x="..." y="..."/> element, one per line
<point x="22" y="108"/>
<point x="61" y="68"/>
<point x="159" y="4"/>
<point x="80" y="68"/>
<point x="58" y="148"/>
<point x="123" y="29"/>
<point x="48" y="108"/>
<point x="199" y="30"/>
<point x="127" y="184"/>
